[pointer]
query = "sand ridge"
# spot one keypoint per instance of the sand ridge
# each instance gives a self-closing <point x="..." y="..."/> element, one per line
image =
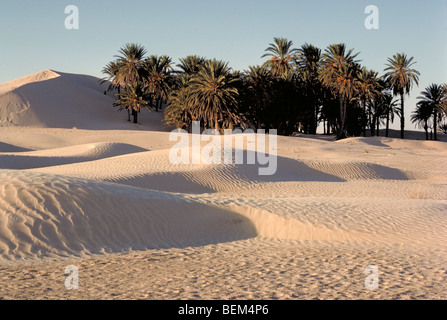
<point x="104" y="196"/>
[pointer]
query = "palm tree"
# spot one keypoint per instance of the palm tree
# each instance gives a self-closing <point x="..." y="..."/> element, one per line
<point x="369" y="88"/>
<point x="130" y="62"/>
<point x="157" y="75"/>
<point x="111" y="71"/>
<point x="281" y="56"/>
<point x="444" y="102"/>
<point x="340" y="74"/>
<point x="423" y="112"/>
<point x="330" y="110"/>
<point x="258" y="81"/>
<point x="389" y="106"/>
<point x="434" y="95"/>
<point x="132" y="98"/>
<point x="212" y="94"/>
<point x="178" y="111"/>
<point x="401" y="77"/>
<point x="191" y="64"/>
<point x="384" y="107"/>
<point x="308" y="59"/>
<point x="125" y="70"/>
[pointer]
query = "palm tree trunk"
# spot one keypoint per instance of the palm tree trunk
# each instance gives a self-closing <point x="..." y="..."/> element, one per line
<point x="373" y="125"/>
<point x="156" y="104"/>
<point x="135" y="116"/>
<point x="216" y="124"/>
<point x="426" y="130"/>
<point x="435" y="124"/>
<point x="128" y="115"/>
<point x="160" y="103"/>
<point x="366" y="115"/>
<point x="316" y="120"/>
<point x="387" y="124"/>
<point x="340" y="124"/>
<point x="378" y="125"/>
<point x="402" y="117"/>
<point x="343" y="131"/>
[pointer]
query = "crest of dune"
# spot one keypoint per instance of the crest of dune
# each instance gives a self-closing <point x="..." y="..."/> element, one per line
<point x="50" y="99"/>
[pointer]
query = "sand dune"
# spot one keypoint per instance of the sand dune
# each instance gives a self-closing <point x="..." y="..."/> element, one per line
<point x="153" y="170"/>
<point x="45" y="215"/>
<point x="5" y="147"/>
<point x="359" y="170"/>
<point x="51" y="99"/>
<point x="104" y="196"/>
<point x="395" y="143"/>
<point x="60" y="156"/>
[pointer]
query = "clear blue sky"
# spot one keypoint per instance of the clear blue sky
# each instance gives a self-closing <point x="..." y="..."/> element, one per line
<point x="34" y="38"/>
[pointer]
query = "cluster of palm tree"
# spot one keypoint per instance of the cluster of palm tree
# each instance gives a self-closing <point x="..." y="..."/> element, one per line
<point x="207" y="91"/>
<point x="294" y="90"/>
<point x="431" y="109"/>
<point x="140" y="82"/>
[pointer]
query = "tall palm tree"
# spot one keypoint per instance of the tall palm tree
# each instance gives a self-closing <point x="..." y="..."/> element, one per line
<point x="157" y="75"/>
<point x="281" y="58"/>
<point x="125" y="70"/>
<point x="422" y="114"/>
<point x="212" y="94"/>
<point x="132" y="97"/>
<point x="308" y="59"/>
<point x="258" y="81"/>
<point x="340" y="74"/>
<point x="369" y="88"/>
<point x="130" y="61"/>
<point x="401" y="78"/>
<point x="435" y="95"/>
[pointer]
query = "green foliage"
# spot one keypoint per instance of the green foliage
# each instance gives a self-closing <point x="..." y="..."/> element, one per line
<point x="140" y="81"/>
<point x="293" y="90"/>
<point x="401" y="77"/>
<point x="178" y="112"/>
<point x="282" y="55"/>
<point x="133" y="98"/>
<point x="213" y="94"/>
<point x="340" y="74"/>
<point x="431" y="104"/>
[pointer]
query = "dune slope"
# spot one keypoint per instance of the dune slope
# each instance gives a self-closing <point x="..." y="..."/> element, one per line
<point x="50" y="99"/>
<point x="46" y="215"/>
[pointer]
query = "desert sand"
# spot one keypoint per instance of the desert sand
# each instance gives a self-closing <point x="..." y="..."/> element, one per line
<point x="81" y="186"/>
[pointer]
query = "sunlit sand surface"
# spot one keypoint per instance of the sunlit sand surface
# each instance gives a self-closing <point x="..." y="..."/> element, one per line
<point x="80" y="186"/>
